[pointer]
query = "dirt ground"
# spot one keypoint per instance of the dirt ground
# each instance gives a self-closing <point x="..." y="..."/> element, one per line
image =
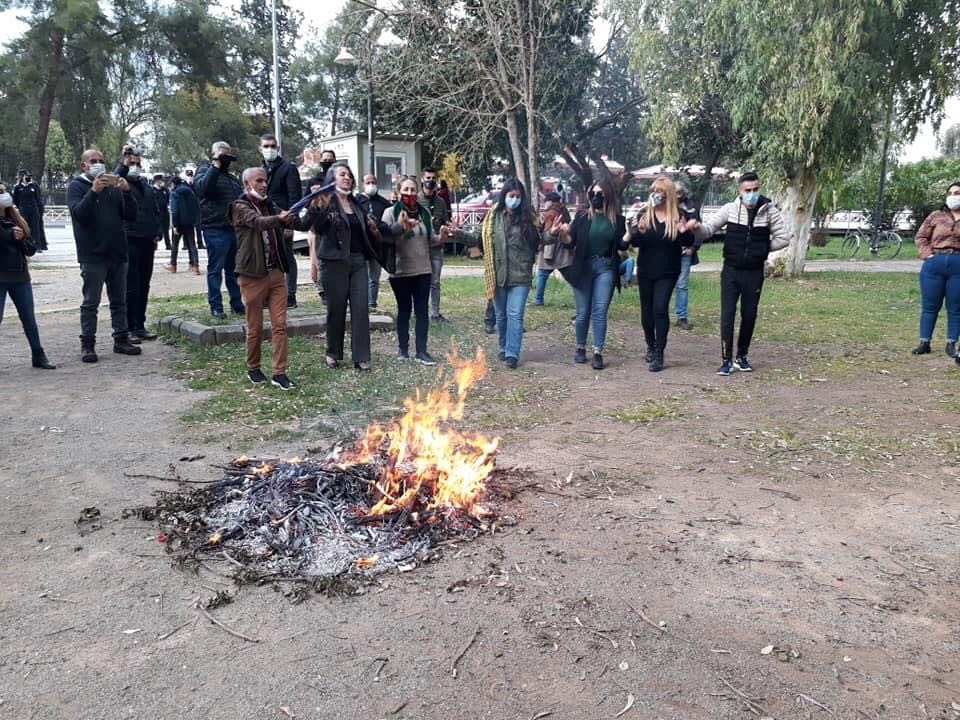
<point x="811" y="506"/>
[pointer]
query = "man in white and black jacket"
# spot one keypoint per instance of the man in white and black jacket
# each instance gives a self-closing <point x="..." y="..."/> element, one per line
<point x="754" y="228"/>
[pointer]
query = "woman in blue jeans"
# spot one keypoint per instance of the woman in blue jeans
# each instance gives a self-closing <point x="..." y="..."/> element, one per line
<point x="938" y="244"/>
<point x="510" y="239"/>
<point x="15" y="247"/>
<point x="595" y="236"/>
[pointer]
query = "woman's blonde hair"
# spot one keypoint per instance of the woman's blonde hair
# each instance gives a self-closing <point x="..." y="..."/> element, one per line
<point x="14" y="214"/>
<point x="666" y="187"/>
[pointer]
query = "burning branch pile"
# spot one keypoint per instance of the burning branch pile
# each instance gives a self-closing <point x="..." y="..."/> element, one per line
<point x="379" y="504"/>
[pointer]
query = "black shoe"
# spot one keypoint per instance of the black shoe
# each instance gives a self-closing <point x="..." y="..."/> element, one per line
<point x="657" y="364"/>
<point x="742" y="364"/>
<point x="580" y="356"/>
<point x="133" y="339"/>
<point x="87" y="352"/>
<point x="424" y="358"/>
<point x="951" y="348"/>
<point x="684" y="325"/>
<point x="511" y="363"/>
<point x="438" y="318"/>
<point x="124" y="346"/>
<point x="648" y="356"/>
<point x="922" y="349"/>
<point x="489" y="328"/>
<point x="291" y="301"/>
<point x="362" y="367"/>
<point x="403" y="355"/>
<point x="238" y="311"/>
<point x="726" y="367"/>
<point x="502" y="356"/>
<point x="597" y="362"/>
<point x="218" y="314"/>
<point x="282" y="381"/>
<point x="144" y="334"/>
<point x="39" y="360"/>
<point x="256" y="376"/>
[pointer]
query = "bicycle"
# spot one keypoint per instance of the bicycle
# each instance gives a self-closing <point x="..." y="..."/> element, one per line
<point x="881" y="242"/>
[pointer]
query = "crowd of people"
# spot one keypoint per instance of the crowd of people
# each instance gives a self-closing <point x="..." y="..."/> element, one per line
<point x="246" y="221"/>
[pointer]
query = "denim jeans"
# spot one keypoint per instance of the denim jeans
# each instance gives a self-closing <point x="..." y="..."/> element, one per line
<point x="680" y="297"/>
<point x="628" y="267"/>
<point x="221" y="263"/>
<point x="541" y="285"/>
<point x="939" y="281"/>
<point x="22" y="295"/>
<point x="509" y="304"/>
<point x="592" y="300"/>
<point x="95" y="275"/>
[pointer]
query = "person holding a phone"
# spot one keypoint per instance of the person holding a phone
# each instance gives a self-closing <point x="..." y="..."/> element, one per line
<point x="100" y="205"/>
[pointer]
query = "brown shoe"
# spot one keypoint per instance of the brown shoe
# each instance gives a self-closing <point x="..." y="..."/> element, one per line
<point x="195" y="270"/>
<point x="170" y="268"/>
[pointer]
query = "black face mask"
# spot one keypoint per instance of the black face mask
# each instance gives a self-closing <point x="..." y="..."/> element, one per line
<point x="325" y="165"/>
<point x="429" y="184"/>
<point x="597" y="201"/>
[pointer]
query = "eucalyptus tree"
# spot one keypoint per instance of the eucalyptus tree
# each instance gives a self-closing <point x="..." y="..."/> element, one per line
<point x="809" y="85"/>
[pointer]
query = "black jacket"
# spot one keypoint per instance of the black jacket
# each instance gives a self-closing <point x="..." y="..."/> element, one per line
<point x="27" y="198"/>
<point x="283" y="183"/>
<point x="99" y="220"/>
<point x="162" y="196"/>
<point x="13" y="254"/>
<point x="146" y="225"/>
<point x="580" y="237"/>
<point x="216" y="190"/>
<point x="333" y="233"/>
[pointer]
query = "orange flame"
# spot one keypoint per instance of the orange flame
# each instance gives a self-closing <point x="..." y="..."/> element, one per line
<point x="429" y="463"/>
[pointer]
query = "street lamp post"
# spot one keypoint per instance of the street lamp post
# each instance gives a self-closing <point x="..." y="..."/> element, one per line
<point x="276" y="73"/>
<point x="347" y="58"/>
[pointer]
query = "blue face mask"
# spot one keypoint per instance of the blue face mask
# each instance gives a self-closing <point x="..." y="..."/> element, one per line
<point x="512" y="202"/>
<point x="750" y="198"/>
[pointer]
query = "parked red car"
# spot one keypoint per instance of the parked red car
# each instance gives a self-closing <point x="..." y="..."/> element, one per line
<point x="468" y="214"/>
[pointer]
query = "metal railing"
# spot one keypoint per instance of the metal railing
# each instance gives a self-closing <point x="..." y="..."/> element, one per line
<point x="56" y="215"/>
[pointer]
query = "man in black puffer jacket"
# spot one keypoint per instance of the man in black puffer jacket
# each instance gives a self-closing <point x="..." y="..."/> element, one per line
<point x="143" y="234"/>
<point x="754" y="228"/>
<point x="217" y="189"/>
<point x="99" y="206"/>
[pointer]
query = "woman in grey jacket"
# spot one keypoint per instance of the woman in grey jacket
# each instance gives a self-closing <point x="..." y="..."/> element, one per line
<point x="345" y="238"/>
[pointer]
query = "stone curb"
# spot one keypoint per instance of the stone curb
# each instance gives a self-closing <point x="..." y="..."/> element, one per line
<point x="236" y="332"/>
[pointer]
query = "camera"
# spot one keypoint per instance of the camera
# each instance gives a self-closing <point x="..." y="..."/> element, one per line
<point x="132" y="150"/>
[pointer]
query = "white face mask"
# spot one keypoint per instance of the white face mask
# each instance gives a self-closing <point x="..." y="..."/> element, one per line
<point x="342" y="191"/>
<point x="371" y="189"/>
<point x="6" y="200"/>
<point x="953" y="202"/>
<point x="254" y="194"/>
<point x="270" y="154"/>
<point x="96" y="169"/>
<point x="134" y="171"/>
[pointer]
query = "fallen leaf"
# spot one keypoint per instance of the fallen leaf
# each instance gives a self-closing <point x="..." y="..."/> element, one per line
<point x="766" y="650"/>
<point x="630" y="700"/>
<point x="287" y="711"/>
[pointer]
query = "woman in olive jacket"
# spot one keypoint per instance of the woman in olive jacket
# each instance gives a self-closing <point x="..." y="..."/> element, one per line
<point x="15" y="247"/>
<point x="345" y="240"/>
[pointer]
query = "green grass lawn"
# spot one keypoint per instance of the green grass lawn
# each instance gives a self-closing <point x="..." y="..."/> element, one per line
<point x="858" y="311"/>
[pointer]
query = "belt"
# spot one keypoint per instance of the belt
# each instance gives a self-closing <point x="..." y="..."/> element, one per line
<point x="947" y="251"/>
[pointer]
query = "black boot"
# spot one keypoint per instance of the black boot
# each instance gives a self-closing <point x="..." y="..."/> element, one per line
<point x="40" y="360"/>
<point x="648" y="358"/>
<point x="922" y="349"/>
<point x="87" y="352"/>
<point x="123" y="346"/>
<point x="656" y="365"/>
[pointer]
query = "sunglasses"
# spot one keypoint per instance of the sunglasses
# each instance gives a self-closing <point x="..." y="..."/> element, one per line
<point x="265" y="147"/>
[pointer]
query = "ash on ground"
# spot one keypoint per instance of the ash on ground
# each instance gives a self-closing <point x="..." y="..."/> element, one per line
<point x="304" y="520"/>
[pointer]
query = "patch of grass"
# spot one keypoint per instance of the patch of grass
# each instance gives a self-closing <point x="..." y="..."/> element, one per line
<point x="649" y="411"/>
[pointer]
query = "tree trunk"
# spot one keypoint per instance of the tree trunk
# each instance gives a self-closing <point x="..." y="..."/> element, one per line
<point x="516" y="150"/>
<point x="47" y="98"/>
<point x="533" y="154"/>
<point x="797" y="210"/>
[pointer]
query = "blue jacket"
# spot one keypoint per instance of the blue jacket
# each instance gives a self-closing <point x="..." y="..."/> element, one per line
<point x="184" y="207"/>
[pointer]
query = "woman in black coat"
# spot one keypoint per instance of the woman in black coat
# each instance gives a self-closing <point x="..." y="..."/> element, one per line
<point x="15" y="247"/>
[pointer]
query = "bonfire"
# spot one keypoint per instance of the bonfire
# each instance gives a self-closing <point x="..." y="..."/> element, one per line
<point x="382" y="502"/>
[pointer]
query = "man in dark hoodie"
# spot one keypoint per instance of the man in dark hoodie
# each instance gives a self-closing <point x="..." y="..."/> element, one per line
<point x="100" y="205"/>
<point x="143" y="234"/>
<point x="283" y="189"/>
